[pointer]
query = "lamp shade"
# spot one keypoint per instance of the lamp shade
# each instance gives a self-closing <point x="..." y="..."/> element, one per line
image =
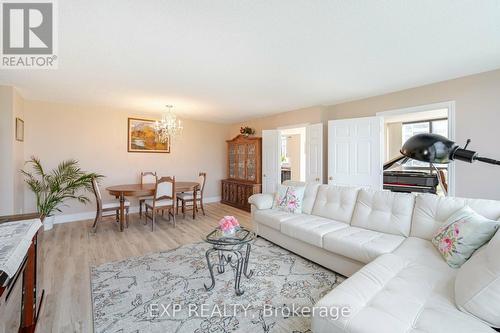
<point x="431" y="148"/>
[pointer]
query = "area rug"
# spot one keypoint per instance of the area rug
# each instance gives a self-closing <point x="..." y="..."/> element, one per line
<point x="164" y="292"/>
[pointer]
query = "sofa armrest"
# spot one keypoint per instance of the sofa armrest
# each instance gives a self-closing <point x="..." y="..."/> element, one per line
<point x="261" y="200"/>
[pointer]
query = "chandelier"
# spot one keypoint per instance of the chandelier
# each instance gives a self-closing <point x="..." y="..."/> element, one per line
<point x="168" y="126"/>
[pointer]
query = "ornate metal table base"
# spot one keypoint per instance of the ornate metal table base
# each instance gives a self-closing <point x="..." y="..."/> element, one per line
<point x="235" y="258"/>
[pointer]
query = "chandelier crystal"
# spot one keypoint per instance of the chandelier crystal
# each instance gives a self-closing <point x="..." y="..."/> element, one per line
<point x="168" y="126"/>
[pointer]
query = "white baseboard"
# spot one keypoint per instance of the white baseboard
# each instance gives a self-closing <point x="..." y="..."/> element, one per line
<point x="74" y="217"/>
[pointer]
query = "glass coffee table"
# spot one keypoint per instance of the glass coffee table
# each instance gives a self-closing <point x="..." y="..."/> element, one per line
<point x="231" y="250"/>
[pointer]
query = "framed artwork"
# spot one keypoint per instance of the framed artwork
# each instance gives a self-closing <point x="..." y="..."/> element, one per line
<point x="142" y="137"/>
<point x="19" y="129"/>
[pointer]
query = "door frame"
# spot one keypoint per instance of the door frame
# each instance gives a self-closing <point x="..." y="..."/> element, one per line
<point x="450" y="105"/>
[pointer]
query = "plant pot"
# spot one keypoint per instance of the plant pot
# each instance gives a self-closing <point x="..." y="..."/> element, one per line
<point x="48" y="223"/>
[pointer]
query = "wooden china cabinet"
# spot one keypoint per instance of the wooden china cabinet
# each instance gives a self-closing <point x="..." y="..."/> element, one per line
<point x="243" y="171"/>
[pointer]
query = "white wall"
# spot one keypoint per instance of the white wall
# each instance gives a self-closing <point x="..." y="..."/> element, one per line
<point x="97" y="137"/>
<point x="18" y="156"/>
<point x="6" y="151"/>
<point x="11" y="153"/>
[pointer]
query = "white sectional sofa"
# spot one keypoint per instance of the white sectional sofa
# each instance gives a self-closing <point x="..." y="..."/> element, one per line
<point x="398" y="281"/>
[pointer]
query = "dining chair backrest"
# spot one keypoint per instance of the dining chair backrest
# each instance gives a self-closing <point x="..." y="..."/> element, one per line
<point x="202" y="178"/>
<point x="165" y="188"/>
<point x="148" y="177"/>
<point x="97" y="193"/>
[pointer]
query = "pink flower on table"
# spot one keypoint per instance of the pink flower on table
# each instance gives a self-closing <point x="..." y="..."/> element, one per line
<point x="228" y="223"/>
<point x="456" y="229"/>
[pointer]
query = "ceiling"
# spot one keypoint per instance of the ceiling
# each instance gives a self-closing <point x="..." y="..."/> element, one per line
<point x="229" y="60"/>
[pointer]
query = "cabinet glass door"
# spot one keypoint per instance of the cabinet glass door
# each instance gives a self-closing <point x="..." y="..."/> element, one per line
<point x="251" y="162"/>
<point x="232" y="161"/>
<point x="241" y="161"/>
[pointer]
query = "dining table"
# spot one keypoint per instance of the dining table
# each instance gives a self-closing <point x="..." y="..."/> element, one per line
<point x="143" y="190"/>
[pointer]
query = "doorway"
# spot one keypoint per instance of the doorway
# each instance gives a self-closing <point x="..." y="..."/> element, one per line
<point x="293" y="154"/>
<point x="358" y="147"/>
<point x="400" y="125"/>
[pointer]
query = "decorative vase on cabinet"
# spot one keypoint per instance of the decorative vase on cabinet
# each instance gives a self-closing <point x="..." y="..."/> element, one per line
<point x="243" y="171"/>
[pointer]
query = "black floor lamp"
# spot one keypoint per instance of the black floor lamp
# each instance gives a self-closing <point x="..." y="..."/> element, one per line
<point x="434" y="148"/>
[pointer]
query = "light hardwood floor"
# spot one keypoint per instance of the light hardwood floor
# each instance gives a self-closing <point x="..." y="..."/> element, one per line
<point x="70" y="249"/>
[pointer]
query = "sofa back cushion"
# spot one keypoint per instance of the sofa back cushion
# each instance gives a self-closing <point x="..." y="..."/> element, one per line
<point x="431" y="211"/>
<point x="384" y="211"/>
<point x="309" y="194"/>
<point x="335" y="202"/>
<point x="487" y="208"/>
<point x="477" y="284"/>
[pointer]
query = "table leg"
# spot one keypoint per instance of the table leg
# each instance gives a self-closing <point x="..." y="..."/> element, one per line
<point x="239" y="269"/>
<point x="220" y="267"/>
<point x="122" y="211"/>
<point x="210" y="269"/>
<point x="194" y="202"/>
<point x="247" y="258"/>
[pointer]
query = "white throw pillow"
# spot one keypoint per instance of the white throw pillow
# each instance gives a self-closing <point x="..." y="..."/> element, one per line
<point x="477" y="284"/>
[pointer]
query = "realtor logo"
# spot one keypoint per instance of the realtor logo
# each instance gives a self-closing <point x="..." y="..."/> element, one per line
<point x="28" y="34"/>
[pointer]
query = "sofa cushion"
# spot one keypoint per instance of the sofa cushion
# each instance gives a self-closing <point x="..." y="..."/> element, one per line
<point x="487" y="208"/>
<point x="384" y="211"/>
<point x="310" y="228"/>
<point x="309" y="194"/>
<point x="335" y="202"/>
<point x="422" y="252"/>
<point x="360" y="244"/>
<point x="273" y="217"/>
<point x="430" y="212"/>
<point x="477" y="285"/>
<point x="393" y="294"/>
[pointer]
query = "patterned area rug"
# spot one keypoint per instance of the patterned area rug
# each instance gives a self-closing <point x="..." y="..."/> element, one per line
<point x="164" y="292"/>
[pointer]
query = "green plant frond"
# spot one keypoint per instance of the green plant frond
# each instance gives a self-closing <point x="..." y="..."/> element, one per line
<point x="65" y="182"/>
<point x="36" y="165"/>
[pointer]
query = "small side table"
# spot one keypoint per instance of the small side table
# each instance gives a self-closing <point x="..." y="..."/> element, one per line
<point x="231" y="250"/>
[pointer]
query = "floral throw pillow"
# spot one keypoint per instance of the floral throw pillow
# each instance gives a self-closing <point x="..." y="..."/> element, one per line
<point x="289" y="198"/>
<point x="463" y="233"/>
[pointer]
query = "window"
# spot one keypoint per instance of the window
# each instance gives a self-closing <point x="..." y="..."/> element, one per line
<point x="440" y="127"/>
<point x="436" y="126"/>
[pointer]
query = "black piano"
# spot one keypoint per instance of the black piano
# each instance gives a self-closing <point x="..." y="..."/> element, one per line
<point x="397" y="178"/>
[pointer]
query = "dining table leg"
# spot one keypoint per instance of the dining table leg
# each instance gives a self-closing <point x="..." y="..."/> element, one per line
<point x="194" y="202"/>
<point x="122" y="211"/>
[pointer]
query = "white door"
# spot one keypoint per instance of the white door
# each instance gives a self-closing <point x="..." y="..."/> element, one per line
<point x="314" y="153"/>
<point x="355" y="154"/>
<point x="271" y="146"/>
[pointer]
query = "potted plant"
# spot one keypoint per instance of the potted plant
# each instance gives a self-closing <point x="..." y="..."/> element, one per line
<point x="247" y="131"/>
<point x="53" y="188"/>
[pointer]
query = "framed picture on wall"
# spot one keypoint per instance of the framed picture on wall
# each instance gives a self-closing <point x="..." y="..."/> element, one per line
<point x="142" y="137"/>
<point x="19" y="129"/>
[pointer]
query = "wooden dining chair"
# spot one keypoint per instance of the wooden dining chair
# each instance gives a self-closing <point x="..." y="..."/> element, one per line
<point x="106" y="207"/>
<point x="188" y="197"/>
<point x="147" y="177"/>
<point x="163" y="200"/>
